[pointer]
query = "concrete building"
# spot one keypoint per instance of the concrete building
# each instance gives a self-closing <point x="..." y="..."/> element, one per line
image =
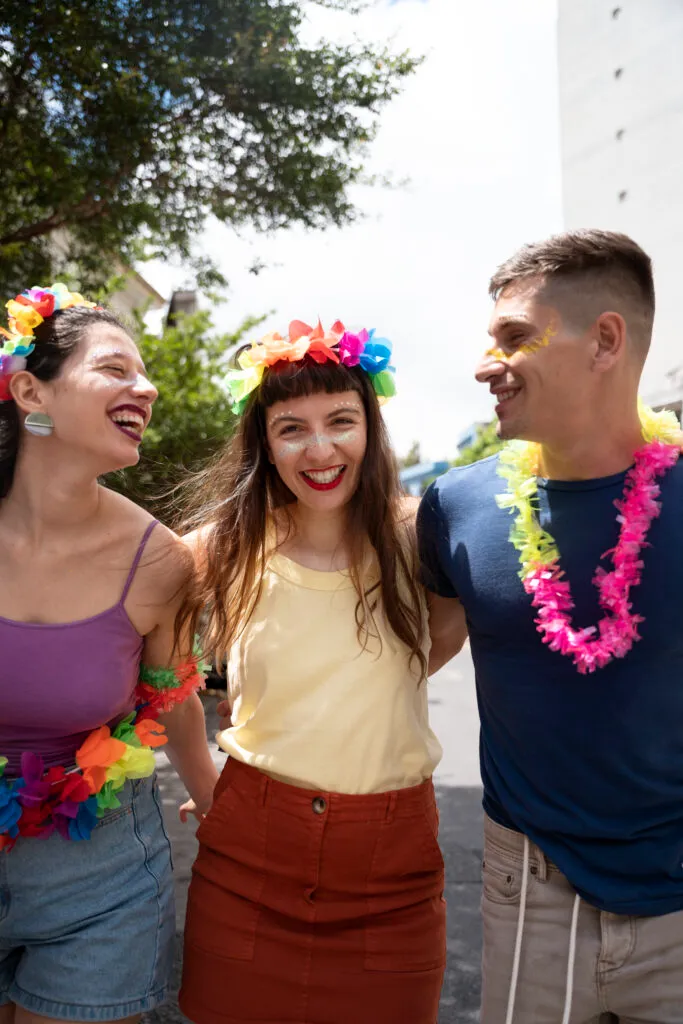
<point x="416" y="478"/>
<point x="621" y="114"/>
<point x="137" y="293"/>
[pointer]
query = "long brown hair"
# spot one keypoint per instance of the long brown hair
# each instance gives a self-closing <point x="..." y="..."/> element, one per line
<point x="236" y="498"/>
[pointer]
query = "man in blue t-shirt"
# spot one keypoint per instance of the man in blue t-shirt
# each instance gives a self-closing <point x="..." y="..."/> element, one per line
<point x="582" y="771"/>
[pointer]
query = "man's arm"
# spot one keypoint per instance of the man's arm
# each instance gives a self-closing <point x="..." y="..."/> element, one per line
<point x="447" y="629"/>
<point x="447" y="624"/>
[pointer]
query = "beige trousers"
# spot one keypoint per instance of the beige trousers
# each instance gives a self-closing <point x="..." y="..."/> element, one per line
<point x="575" y="964"/>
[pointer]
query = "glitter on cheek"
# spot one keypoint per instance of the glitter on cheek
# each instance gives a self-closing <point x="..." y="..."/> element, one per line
<point x="495" y="353"/>
<point x="528" y="348"/>
<point x="533" y="346"/>
<point x="292" y="448"/>
<point x="297" y="447"/>
<point x="347" y="436"/>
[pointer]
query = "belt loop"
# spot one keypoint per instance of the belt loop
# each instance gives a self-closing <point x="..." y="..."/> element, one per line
<point x="391" y="805"/>
<point x="265" y="786"/>
<point x="541" y="864"/>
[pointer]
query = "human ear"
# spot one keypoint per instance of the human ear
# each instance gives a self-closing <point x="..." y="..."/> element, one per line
<point x="28" y="392"/>
<point x="610" y="338"/>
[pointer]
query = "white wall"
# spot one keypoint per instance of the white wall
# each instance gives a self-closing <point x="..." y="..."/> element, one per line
<point x="645" y="103"/>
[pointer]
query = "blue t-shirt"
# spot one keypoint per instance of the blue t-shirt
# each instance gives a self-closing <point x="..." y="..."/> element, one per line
<point x="590" y="767"/>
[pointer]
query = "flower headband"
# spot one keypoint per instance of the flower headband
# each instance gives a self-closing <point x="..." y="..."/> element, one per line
<point x="26" y="312"/>
<point x="337" y="345"/>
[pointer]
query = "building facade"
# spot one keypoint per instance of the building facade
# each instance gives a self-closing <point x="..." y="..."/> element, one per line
<point x="621" y="115"/>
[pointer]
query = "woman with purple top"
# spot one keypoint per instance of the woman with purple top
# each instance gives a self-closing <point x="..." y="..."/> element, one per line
<point x="89" y="588"/>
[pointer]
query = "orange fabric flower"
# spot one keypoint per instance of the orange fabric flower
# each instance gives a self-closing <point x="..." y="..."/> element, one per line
<point x="151" y="733"/>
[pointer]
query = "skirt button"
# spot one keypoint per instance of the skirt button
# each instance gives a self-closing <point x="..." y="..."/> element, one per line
<point x="319" y="805"/>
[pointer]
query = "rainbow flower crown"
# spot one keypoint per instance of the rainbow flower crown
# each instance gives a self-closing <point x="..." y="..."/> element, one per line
<point x="337" y="345"/>
<point x="26" y="312"/>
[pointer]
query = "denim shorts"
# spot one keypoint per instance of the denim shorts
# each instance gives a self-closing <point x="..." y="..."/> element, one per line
<point x="87" y="928"/>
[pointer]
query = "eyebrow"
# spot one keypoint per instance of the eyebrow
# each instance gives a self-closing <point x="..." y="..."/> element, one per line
<point x="509" y="319"/>
<point x="298" y="419"/>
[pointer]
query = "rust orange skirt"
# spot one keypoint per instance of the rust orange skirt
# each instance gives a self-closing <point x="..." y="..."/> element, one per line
<point x="308" y="907"/>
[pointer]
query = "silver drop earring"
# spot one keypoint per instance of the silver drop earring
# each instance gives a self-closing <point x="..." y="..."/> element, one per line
<point x="39" y="423"/>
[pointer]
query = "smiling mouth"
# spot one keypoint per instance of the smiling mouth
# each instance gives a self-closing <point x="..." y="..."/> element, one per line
<point x="324" y="479"/>
<point x="129" y="422"/>
<point x="503" y="397"/>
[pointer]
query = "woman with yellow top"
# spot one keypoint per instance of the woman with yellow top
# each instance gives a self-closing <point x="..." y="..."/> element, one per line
<point x="317" y="894"/>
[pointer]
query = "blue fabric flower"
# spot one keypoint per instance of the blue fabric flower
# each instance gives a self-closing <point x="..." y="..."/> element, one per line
<point x="10" y="808"/>
<point x="86" y="819"/>
<point x="376" y="354"/>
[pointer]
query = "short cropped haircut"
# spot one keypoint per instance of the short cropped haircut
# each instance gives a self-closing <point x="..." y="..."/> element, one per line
<point x="586" y="273"/>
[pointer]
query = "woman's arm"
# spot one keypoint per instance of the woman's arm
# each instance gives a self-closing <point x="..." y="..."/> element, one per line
<point x="187" y="747"/>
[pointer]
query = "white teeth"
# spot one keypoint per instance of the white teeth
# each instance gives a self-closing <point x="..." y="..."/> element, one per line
<point x="325" y="476"/>
<point x="503" y="396"/>
<point x="135" y="421"/>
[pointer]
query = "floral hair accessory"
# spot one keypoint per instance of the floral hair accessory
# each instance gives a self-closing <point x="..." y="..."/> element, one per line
<point x="26" y="312"/>
<point x="336" y="345"/>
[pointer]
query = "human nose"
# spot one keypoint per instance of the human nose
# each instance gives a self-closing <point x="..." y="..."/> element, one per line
<point x="491" y="365"/>
<point x="321" y="447"/>
<point x="143" y="388"/>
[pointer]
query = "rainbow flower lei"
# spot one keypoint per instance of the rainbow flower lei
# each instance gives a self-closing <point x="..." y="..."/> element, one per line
<point x="336" y="345"/>
<point x="616" y="632"/>
<point x="26" y="312"/>
<point x="70" y="801"/>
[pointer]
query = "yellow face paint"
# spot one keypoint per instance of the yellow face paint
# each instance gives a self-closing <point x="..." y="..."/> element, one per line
<point x="529" y="347"/>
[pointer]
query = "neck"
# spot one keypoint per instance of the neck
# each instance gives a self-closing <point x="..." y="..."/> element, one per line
<point x="592" y="454"/>
<point x="319" y="538"/>
<point x="50" y="496"/>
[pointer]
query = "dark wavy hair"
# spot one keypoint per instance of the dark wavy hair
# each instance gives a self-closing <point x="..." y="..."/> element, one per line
<point x="237" y="496"/>
<point x="55" y="339"/>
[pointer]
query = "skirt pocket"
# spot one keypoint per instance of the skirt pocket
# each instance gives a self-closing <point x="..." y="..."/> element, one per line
<point x="228" y="878"/>
<point x="406" y="912"/>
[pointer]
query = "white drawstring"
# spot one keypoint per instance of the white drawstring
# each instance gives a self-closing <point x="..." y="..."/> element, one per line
<point x="520" y="932"/>
<point x="571" y="959"/>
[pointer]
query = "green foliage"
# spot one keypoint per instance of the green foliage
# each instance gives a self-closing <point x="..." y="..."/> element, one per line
<point x="129" y="123"/>
<point x="412" y="458"/>
<point x="485" y="443"/>
<point x="192" y="416"/>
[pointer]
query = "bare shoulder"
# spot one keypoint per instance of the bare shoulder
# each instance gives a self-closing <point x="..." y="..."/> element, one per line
<point x="166" y="565"/>
<point x="196" y="543"/>
<point x="407" y="522"/>
<point x="408" y="506"/>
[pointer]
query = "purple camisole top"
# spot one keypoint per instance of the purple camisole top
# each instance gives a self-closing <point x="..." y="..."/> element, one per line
<point x="58" y="682"/>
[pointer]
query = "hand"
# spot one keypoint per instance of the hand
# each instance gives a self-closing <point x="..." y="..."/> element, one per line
<point x="223" y="712"/>
<point x="190" y="809"/>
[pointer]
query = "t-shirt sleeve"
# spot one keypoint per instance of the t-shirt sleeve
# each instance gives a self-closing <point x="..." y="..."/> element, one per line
<point x="433" y="545"/>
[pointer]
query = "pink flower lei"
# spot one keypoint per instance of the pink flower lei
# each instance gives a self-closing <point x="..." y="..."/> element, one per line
<point x="543" y="579"/>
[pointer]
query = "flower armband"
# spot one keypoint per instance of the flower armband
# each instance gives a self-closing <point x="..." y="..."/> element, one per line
<point x="161" y="689"/>
<point x="71" y="800"/>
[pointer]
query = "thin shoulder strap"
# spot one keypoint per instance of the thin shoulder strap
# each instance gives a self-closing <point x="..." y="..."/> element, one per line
<point x="136" y="561"/>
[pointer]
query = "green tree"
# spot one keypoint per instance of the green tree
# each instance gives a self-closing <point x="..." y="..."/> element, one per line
<point x="485" y="443"/>
<point x="192" y="416"/>
<point x="128" y="123"/>
<point x="412" y="458"/>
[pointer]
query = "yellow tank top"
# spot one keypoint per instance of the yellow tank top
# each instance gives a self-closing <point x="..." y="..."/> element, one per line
<point x="311" y="707"/>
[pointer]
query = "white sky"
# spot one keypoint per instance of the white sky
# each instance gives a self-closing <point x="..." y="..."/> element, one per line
<point x="476" y="132"/>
